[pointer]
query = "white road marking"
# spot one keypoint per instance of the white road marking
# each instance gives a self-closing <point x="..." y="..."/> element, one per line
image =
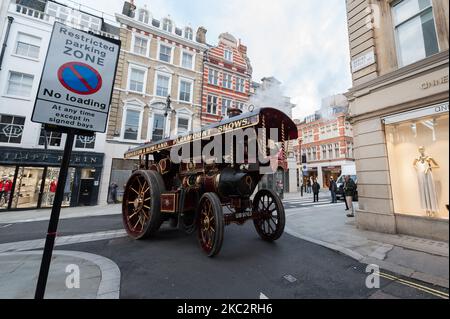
<point x="7" y="225"/>
<point x="60" y="241"/>
<point x="290" y="278"/>
<point x="324" y="205"/>
<point x="262" y="296"/>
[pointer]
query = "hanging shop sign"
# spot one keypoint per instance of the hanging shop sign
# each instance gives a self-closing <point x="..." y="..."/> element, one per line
<point x="77" y="80"/>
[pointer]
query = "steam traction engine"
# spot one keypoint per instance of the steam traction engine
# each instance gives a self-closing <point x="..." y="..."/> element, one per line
<point x="204" y="195"/>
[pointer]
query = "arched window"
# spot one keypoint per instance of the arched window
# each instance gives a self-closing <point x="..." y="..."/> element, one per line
<point x="167" y="25"/>
<point x="188" y="33"/>
<point x="143" y="15"/>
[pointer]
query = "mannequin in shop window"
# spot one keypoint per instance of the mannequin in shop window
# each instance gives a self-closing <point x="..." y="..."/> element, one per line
<point x="5" y="189"/>
<point x="424" y="166"/>
<point x="53" y="185"/>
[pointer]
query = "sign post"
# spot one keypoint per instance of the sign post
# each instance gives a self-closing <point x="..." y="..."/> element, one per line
<point x="74" y="96"/>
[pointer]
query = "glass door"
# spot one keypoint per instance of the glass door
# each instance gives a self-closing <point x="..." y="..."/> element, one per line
<point x="28" y="187"/>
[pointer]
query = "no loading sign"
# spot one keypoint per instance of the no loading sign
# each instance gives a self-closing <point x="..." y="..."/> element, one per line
<point x="79" y="78"/>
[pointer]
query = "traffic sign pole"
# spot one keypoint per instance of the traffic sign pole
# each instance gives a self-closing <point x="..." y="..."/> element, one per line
<point x="54" y="217"/>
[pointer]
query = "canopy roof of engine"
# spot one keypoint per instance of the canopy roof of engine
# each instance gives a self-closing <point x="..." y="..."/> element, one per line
<point x="272" y="118"/>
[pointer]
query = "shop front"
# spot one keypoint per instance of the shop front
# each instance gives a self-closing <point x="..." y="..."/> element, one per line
<point x="29" y="178"/>
<point x="418" y="147"/>
<point x="329" y="172"/>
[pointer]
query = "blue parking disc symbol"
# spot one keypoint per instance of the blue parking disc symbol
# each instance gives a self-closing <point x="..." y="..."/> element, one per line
<point x="79" y="78"/>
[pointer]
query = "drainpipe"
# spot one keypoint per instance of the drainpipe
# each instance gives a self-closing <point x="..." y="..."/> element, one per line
<point x="8" y="28"/>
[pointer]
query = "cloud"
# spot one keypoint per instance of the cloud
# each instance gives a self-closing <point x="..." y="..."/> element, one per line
<point x="303" y="43"/>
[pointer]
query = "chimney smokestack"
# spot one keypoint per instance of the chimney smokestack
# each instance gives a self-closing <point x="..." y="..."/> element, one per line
<point x="201" y="35"/>
<point x="129" y="8"/>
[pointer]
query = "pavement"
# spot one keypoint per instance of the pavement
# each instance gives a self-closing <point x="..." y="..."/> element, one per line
<point x="320" y="223"/>
<point x="327" y="225"/>
<point x="72" y="275"/>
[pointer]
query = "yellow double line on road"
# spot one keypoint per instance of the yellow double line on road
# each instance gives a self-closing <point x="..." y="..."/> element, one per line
<point x="411" y="284"/>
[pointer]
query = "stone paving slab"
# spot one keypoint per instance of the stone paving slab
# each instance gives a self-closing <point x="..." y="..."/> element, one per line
<point x="99" y="277"/>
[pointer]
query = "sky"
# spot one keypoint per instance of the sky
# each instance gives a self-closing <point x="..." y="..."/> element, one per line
<point x="303" y="43"/>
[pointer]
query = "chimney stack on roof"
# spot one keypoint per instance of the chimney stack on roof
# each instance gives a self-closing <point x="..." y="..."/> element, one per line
<point x="201" y="35"/>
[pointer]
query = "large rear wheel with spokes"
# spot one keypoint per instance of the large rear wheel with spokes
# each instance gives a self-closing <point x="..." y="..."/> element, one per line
<point x="269" y="214"/>
<point x="141" y="211"/>
<point x="210" y="226"/>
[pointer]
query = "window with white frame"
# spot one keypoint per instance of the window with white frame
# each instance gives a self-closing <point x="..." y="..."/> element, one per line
<point x="226" y="104"/>
<point x="28" y="45"/>
<point x="167" y="25"/>
<point x="415" y="30"/>
<point x="89" y="21"/>
<point x="240" y="85"/>
<point x="182" y="125"/>
<point x="159" y="123"/>
<point x="337" y="153"/>
<point x="19" y="84"/>
<point x="188" y="33"/>
<point x="187" y="60"/>
<point x="165" y="53"/>
<point x="228" y="55"/>
<point x="324" y="151"/>
<point x="227" y="81"/>
<point x="212" y="104"/>
<point x="140" y="45"/>
<point x="314" y="153"/>
<point x="11" y="128"/>
<point x="213" y="77"/>
<point x="132" y="124"/>
<point x="136" y="80"/>
<point x="53" y="138"/>
<point x="240" y="105"/>
<point x="185" y="90"/>
<point x="143" y="15"/>
<point x="330" y="151"/>
<point x="162" y="85"/>
<point x="349" y="150"/>
<point x="86" y="142"/>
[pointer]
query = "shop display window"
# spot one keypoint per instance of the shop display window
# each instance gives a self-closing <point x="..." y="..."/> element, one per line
<point x="418" y="158"/>
<point x="6" y="182"/>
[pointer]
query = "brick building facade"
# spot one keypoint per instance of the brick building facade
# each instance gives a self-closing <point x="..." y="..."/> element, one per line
<point x="158" y="59"/>
<point x="326" y="142"/>
<point x="226" y="78"/>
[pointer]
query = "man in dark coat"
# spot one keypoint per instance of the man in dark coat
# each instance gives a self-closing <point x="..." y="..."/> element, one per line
<point x="316" y="190"/>
<point x="349" y="192"/>
<point x="333" y="190"/>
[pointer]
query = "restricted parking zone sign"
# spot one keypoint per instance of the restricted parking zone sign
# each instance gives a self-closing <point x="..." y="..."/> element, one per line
<point x="77" y="80"/>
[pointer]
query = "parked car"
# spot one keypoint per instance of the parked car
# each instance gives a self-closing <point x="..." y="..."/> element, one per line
<point x="340" y="187"/>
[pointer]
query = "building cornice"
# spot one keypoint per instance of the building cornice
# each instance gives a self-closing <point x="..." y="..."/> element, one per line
<point x="429" y="64"/>
<point x="123" y="19"/>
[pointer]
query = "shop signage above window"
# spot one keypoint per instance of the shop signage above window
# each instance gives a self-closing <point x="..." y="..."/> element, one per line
<point x="22" y="156"/>
<point x="426" y="111"/>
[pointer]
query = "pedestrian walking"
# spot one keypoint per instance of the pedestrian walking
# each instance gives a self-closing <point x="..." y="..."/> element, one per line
<point x="308" y="186"/>
<point x="316" y="190"/>
<point x="113" y="192"/>
<point x="349" y="192"/>
<point x="333" y="190"/>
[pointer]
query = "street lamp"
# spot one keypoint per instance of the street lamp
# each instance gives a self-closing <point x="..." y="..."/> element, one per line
<point x="168" y="111"/>
<point x="168" y="107"/>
